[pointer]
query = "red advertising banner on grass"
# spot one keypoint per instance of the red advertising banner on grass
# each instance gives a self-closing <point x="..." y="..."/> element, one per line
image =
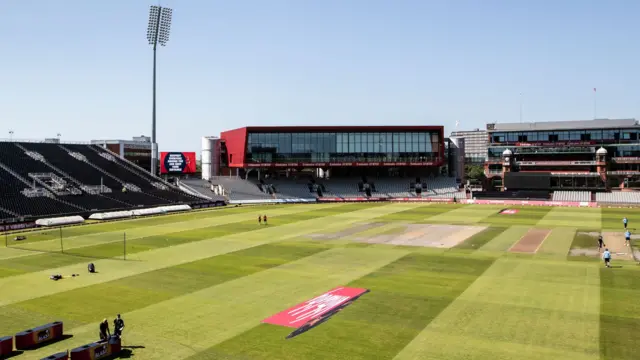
<point x="177" y="163"/>
<point x="311" y="313"/>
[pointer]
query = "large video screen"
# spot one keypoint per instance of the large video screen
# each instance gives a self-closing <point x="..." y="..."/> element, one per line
<point x="177" y="162"/>
<point x="527" y="181"/>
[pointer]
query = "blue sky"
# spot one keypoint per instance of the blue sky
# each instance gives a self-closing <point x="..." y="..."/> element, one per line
<point x="83" y="68"/>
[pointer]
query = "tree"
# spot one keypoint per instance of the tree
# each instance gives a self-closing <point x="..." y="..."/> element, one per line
<point x="474" y="172"/>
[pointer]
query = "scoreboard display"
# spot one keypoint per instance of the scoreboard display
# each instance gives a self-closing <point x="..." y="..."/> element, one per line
<point x="174" y="163"/>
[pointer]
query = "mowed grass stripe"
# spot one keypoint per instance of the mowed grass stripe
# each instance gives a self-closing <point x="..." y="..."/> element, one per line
<point x="405" y="296"/>
<point x="99" y="228"/>
<point x="526" y="215"/>
<point x="74" y="242"/>
<point x="468" y="214"/>
<point x="506" y="239"/>
<point x="620" y="313"/>
<point x="480" y="239"/>
<point x="44" y="261"/>
<point x="612" y="218"/>
<point x="77" y="307"/>
<point x="557" y="243"/>
<point x="183" y="326"/>
<point x="572" y="217"/>
<point x="518" y="309"/>
<point x="421" y="213"/>
<point x="36" y="284"/>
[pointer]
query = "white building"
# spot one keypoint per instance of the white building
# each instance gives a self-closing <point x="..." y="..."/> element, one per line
<point x="475" y="145"/>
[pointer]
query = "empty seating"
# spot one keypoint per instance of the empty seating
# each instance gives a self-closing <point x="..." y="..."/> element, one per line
<point x="45" y="179"/>
<point x="240" y="189"/>
<point x="579" y="196"/>
<point x="349" y="188"/>
<point x="619" y="197"/>
<point x="12" y="200"/>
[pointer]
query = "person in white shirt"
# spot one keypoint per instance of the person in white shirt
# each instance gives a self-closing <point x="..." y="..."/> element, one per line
<point x="606" y="256"/>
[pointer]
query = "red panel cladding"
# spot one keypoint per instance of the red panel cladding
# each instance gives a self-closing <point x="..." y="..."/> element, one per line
<point x="6" y="345"/>
<point x="441" y="143"/>
<point x="343" y="128"/>
<point x="236" y="143"/>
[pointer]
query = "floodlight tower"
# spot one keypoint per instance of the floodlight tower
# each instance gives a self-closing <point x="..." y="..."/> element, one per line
<point x="157" y="33"/>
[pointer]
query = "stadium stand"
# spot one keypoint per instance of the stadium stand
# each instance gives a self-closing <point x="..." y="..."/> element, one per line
<point x="619" y="197"/>
<point x="45" y="179"/>
<point x="311" y="188"/>
<point x="579" y="196"/>
<point x="240" y="189"/>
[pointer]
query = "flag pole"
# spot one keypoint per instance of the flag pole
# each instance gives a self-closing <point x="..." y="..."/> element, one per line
<point x="595" y="103"/>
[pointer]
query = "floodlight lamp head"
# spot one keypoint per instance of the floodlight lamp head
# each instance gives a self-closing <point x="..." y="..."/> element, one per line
<point x="164" y="27"/>
<point x="152" y="29"/>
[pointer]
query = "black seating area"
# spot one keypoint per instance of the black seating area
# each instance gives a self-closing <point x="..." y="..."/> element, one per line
<point x="76" y="173"/>
<point x="12" y="200"/>
<point x="513" y="195"/>
<point x="127" y="173"/>
<point x="96" y="202"/>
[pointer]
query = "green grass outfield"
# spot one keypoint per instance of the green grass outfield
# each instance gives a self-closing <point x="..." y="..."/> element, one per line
<point x="198" y="285"/>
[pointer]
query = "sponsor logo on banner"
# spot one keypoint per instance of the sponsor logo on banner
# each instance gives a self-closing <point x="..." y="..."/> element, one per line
<point x="101" y="351"/>
<point x="509" y="212"/>
<point x="19" y="226"/>
<point x="531" y="202"/>
<point x="304" y="317"/>
<point x="44" y="335"/>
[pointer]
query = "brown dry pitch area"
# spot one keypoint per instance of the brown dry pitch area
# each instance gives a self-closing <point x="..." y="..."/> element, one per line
<point x="425" y="235"/>
<point x="531" y="241"/>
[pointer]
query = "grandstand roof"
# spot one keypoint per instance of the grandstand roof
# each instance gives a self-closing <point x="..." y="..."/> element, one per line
<point x="341" y="128"/>
<point x="564" y="125"/>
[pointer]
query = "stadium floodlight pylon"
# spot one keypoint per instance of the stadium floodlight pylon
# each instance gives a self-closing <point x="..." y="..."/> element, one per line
<point x="157" y="33"/>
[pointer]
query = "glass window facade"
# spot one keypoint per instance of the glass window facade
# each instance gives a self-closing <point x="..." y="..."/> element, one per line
<point x="343" y="146"/>
<point x="605" y="136"/>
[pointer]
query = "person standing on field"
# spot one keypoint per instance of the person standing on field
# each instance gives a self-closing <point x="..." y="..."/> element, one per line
<point x="264" y="219"/>
<point x="118" y="326"/>
<point x="105" y="334"/>
<point x="600" y="243"/>
<point x="259" y="220"/>
<point x="606" y="256"/>
<point x="627" y="238"/>
<point x="625" y="222"/>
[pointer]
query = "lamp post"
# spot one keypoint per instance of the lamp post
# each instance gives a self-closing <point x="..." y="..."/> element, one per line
<point x="10" y="135"/>
<point x="157" y="33"/>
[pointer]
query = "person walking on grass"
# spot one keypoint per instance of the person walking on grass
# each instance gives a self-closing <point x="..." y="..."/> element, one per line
<point x="601" y="243"/>
<point x="627" y="238"/>
<point x="264" y="219"/>
<point x="625" y="222"/>
<point x="259" y="220"/>
<point x="606" y="256"/>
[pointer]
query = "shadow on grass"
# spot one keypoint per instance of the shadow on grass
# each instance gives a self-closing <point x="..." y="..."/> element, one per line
<point x="127" y="352"/>
<point x="12" y="354"/>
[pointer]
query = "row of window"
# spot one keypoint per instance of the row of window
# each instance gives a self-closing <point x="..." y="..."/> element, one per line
<point x="613" y="151"/>
<point x="343" y="142"/>
<point x="337" y="157"/>
<point x="551" y="136"/>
